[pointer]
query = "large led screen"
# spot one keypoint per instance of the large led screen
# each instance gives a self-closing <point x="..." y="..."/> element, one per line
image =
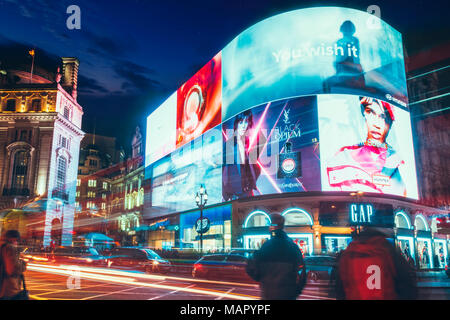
<point x="271" y="148"/>
<point x="199" y="102"/>
<point x="248" y="122"/>
<point x="366" y="145"/>
<point x="161" y="130"/>
<point x="176" y="178"/>
<point x="313" y="51"/>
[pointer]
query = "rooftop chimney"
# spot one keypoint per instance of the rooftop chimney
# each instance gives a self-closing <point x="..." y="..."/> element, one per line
<point x="70" y="75"/>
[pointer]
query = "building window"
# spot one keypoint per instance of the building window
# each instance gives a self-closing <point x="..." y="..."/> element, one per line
<point x="66" y="113"/>
<point x="105" y="185"/>
<point x="77" y="194"/>
<point x="103" y="206"/>
<point x="92" y="183"/>
<point x="104" y="196"/>
<point x="91" y="194"/>
<point x="78" y="182"/>
<point x="36" y="105"/>
<point x="20" y="170"/>
<point x="93" y="163"/>
<point x="11" y="105"/>
<point x="61" y="174"/>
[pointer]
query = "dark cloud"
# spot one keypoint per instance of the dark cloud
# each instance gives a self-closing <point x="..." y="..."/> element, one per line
<point x="137" y="78"/>
<point x="90" y="86"/>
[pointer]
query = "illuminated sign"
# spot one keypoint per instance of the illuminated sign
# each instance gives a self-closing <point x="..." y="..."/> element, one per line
<point x="202" y="225"/>
<point x="361" y="214"/>
<point x="278" y="84"/>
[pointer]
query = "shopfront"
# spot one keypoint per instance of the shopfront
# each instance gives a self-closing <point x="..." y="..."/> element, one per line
<point x="217" y="234"/>
<point x="405" y="235"/>
<point x="423" y="242"/>
<point x="256" y="229"/>
<point x="440" y="252"/>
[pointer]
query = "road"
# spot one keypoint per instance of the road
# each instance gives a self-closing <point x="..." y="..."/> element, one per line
<point x="54" y="282"/>
<point x="51" y="282"/>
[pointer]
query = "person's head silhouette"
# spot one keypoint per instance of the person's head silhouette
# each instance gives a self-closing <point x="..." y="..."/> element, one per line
<point x="347" y="28"/>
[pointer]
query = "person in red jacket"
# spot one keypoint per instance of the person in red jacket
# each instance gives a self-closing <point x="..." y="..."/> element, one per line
<point x="12" y="267"/>
<point x="371" y="268"/>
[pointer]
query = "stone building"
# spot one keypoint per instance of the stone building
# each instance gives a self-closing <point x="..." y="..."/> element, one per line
<point x="40" y="134"/>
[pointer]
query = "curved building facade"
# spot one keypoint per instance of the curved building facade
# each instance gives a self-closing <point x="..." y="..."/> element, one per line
<point x="305" y="114"/>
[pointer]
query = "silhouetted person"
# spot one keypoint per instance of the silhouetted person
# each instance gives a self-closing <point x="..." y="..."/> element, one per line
<point x="276" y="264"/>
<point x="11" y="268"/>
<point x="371" y="268"/>
<point x="349" y="71"/>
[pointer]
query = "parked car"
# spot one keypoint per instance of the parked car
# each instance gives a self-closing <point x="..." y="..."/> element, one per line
<point x="222" y="267"/>
<point x="138" y="258"/>
<point x="320" y="268"/>
<point x="78" y="256"/>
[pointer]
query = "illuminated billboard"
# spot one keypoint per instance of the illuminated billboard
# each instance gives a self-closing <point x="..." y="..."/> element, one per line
<point x="175" y="179"/>
<point x="312" y="51"/>
<point x="366" y="146"/>
<point x="259" y="141"/>
<point x="309" y="100"/>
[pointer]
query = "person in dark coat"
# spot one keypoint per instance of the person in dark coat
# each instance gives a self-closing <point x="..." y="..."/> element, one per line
<point x="276" y="264"/>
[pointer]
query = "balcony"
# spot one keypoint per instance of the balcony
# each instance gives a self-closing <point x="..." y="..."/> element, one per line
<point x="16" y="192"/>
<point x="60" y="194"/>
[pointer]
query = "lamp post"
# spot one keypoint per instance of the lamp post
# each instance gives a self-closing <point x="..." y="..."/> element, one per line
<point x="201" y="198"/>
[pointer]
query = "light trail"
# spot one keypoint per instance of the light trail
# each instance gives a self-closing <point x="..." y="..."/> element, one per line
<point x="269" y="177"/>
<point x="256" y="132"/>
<point x="60" y="270"/>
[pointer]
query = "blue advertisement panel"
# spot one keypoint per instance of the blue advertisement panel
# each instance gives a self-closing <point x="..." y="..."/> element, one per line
<point x="176" y="178"/>
<point x="313" y="51"/>
<point x="271" y="148"/>
<point x="366" y="145"/>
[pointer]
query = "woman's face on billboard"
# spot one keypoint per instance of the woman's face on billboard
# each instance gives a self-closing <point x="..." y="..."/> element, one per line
<point x="242" y="127"/>
<point x="375" y="117"/>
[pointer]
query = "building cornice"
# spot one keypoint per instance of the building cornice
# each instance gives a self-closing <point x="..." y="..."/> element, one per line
<point x="69" y="125"/>
<point x="48" y="116"/>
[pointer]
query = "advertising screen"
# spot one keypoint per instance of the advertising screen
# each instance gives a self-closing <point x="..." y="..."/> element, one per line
<point x="248" y="122"/>
<point x="176" y="178"/>
<point x="366" y="145"/>
<point x="199" y="102"/>
<point x="161" y="130"/>
<point x="271" y="148"/>
<point x="313" y="51"/>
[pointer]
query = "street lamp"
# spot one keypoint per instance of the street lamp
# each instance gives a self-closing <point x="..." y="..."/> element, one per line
<point x="201" y="198"/>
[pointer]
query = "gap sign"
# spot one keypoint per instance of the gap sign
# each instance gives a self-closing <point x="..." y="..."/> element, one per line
<point x="370" y="214"/>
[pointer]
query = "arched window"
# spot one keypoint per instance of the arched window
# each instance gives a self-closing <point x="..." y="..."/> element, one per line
<point x="257" y="218"/>
<point x="402" y="220"/>
<point x="61" y="174"/>
<point x="421" y="223"/>
<point x="297" y="217"/>
<point x="20" y="170"/>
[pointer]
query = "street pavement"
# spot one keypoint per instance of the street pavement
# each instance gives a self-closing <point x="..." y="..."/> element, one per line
<point x="51" y="282"/>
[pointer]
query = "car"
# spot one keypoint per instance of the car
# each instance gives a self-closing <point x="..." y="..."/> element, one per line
<point x="138" y="258"/>
<point x="320" y="267"/>
<point x="222" y="267"/>
<point x="78" y="255"/>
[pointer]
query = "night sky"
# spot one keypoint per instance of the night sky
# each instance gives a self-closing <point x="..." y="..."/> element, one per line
<point x="133" y="54"/>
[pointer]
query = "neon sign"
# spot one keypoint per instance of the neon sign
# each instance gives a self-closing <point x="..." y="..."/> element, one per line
<point x="361" y="213"/>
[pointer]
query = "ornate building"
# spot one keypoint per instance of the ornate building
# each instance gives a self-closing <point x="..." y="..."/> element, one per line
<point x="110" y="200"/>
<point x="40" y="134"/>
